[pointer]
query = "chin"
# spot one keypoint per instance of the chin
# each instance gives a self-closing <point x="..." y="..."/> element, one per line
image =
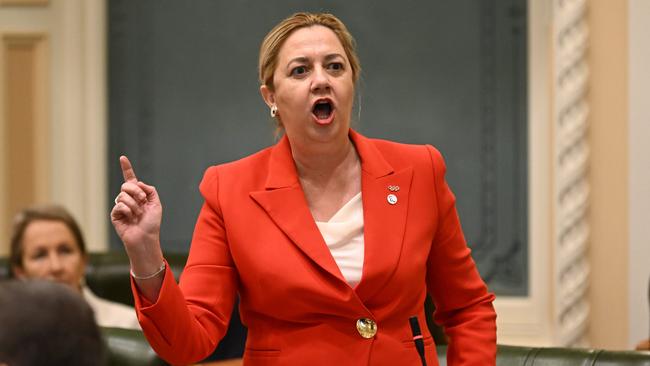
<point x="330" y="131"/>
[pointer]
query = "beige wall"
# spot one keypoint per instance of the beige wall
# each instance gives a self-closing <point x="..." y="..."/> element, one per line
<point x="608" y="101"/>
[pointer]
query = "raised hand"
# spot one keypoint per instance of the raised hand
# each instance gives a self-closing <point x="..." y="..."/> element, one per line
<point x="136" y="217"/>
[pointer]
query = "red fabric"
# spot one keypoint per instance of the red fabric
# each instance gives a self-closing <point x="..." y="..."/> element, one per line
<point x="255" y="235"/>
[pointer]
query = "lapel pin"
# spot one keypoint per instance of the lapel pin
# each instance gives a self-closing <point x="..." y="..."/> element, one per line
<point x="393" y="188"/>
<point x="392" y="199"/>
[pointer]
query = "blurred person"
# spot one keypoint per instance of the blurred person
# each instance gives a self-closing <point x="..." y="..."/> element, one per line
<point x="46" y="323"/>
<point x="47" y="243"/>
<point x="331" y="239"/>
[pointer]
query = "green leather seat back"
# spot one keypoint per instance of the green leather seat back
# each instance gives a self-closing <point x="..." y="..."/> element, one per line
<point x="107" y="274"/>
<point x="530" y="356"/>
<point x="128" y="347"/>
<point x="624" y="358"/>
<point x="513" y="355"/>
<point x="506" y="355"/>
<point x="562" y="357"/>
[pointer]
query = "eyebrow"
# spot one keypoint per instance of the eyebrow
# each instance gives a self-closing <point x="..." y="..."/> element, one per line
<point x="303" y="59"/>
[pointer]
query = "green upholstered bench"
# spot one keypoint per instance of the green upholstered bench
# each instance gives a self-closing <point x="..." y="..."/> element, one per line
<point x="128" y="347"/>
<point x="107" y="274"/>
<point x="547" y="356"/>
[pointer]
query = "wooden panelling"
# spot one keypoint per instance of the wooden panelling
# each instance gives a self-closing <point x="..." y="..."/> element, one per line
<point x="609" y="174"/>
<point x="25" y="147"/>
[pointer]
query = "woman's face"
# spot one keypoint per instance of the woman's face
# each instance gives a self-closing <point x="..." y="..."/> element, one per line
<point x="314" y="90"/>
<point x="50" y="251"/>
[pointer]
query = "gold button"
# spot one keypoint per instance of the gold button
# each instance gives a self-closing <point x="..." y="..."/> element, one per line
<point x="366" y="327"/>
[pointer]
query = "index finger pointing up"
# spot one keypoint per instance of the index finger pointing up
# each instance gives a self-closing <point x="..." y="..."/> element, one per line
<point x="127" y="170"/>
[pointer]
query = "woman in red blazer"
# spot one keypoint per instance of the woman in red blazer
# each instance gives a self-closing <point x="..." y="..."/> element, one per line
<point x="331" y="239"/>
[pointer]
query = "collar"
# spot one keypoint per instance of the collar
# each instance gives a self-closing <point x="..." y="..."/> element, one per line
<point x="282" y="168"/>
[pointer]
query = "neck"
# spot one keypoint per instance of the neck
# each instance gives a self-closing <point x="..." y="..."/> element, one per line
<point x="320" y="162"/>
<point x="329" y="174"/>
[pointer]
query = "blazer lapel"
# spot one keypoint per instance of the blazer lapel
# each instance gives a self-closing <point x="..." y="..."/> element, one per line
<point x="384" y="223"/>
<point x="284" y="201"/>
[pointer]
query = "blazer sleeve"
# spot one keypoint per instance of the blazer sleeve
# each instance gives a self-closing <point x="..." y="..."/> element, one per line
<point x="463" y="303"/>
<point x="189" y="319"/>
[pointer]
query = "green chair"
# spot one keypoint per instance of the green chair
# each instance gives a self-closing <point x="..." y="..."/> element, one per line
<point x="555" y="356"/>
<point x="128" y="347"/>
<point x="107" y="274"/>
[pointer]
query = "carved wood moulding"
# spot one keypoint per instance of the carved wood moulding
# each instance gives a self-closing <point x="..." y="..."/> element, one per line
<point x="571" y="158"/>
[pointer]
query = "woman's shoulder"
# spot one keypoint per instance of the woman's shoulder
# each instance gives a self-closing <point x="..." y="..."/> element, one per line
<point x="238" y="178"/>
<point x="396" y="145"/>
<point x="246" y="166"/>
<point x="398" y="153"/>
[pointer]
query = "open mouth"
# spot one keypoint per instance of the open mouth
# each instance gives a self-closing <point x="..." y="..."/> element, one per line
<point x="322" y="111"/>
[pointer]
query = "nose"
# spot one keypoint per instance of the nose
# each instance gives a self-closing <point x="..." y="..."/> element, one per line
<point x="321" y="81"/>
<point x="56" y="266"/>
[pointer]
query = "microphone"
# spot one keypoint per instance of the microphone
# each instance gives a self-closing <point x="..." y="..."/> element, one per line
<point x="417" y="338"/>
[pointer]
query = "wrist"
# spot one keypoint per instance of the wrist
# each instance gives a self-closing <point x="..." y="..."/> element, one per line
<point x="145" y="265"/>
<point x="148" y="276"/>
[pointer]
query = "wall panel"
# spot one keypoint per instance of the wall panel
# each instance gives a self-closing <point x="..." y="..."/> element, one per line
<point x="25" y="124"/>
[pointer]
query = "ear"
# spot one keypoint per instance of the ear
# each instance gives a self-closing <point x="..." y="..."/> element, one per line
<point x="268" y="95"/>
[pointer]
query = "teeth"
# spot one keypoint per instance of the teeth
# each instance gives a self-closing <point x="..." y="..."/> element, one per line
<point x="322" y="110"/>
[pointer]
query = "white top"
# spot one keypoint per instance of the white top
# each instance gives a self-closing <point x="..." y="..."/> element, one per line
<point x="109" y="313"/>
<point x="343" y="234"/>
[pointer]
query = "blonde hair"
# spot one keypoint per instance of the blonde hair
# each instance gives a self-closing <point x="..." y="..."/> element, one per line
<point x="270" y="48"/>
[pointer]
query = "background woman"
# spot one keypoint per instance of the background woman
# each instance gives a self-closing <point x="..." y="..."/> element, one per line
<point x="46" y="243"/>
<point x="331" y="239"/>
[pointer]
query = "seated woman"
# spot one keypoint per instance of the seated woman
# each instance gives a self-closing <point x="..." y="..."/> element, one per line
<point x="46" y="243"/>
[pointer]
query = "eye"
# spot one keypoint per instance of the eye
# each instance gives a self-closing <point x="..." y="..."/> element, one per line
<point x="38" y="254"/>
<point x="336" y="66"/>
<point x="299" y="70"/>
<point x="66" y="249"/>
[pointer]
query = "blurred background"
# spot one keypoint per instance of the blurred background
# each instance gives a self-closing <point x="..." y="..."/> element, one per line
<point x="539" y="107"/>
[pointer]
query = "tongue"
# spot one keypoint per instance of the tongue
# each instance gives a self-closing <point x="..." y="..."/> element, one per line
<point x="322" y="114"/>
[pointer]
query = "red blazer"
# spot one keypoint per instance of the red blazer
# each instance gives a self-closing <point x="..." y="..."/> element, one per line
<point x="255" y="235"/>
